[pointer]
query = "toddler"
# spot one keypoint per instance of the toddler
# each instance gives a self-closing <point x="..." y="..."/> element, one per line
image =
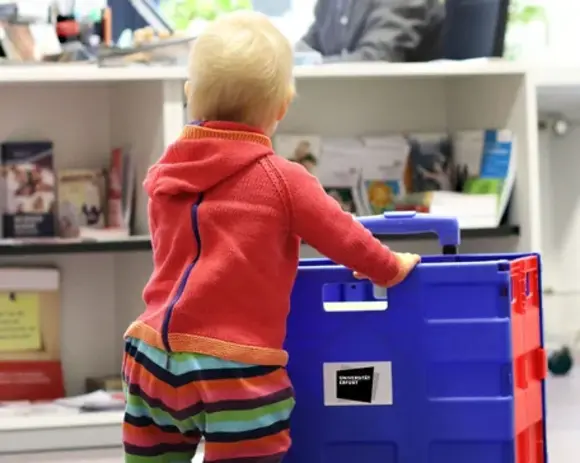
<point x="205" y="359"/>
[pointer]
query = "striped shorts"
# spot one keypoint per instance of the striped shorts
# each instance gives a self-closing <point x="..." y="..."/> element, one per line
<point x="176" y="399"/>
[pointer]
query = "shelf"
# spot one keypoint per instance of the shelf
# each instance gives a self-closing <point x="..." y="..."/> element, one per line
<point x="60" y="432"/>
<point x="483" y="67"/>
<point x="142" y="243"/>
<point x="59" y="73"/>
<point x="131" y="244"/>
<point x="547" y="78"/>
<point x="55" y="73"/>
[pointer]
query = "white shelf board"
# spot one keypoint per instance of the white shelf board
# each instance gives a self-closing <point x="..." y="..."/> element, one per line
<point x="47" y="73"/>
<point x="430" y="69"/>
<point x="55" y="73"/>
<point x="60" y="432"/>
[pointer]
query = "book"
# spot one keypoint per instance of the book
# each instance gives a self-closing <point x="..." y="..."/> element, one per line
<point x="384" y="163"/>
<point x="469" y="174"/>
<point x="30" y="366"/>
<point x="431" y="163"/>
<point x="303" y="149"/>
<point x="28" y="42"/>
<point x="81" y="201"/>
<point x="340" y="178"/>
<point x="29" y="189"/>
<point x="120" y="190"/>
<point x="485" y="166"/>
<point x="17" y="42"/>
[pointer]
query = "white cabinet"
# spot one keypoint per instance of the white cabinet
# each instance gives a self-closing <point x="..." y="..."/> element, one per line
<point x="88" y="111"/>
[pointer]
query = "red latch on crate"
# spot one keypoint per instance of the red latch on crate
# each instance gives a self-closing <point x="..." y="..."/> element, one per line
<point x="540" y="364"/>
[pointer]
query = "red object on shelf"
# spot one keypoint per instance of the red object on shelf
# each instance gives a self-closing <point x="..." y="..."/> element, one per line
<point x="69" y="28"/>
<point x="31" y="380"/>
<point x="530" y="365"/>
<point x="115" y="190"/>
<point x="107" y="27"/>
<point x="410" y="207"/>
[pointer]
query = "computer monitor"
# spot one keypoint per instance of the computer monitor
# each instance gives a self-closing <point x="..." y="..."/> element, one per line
<point x="474" y="28"/>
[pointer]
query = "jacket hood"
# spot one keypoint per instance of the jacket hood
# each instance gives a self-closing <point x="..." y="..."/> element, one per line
<point x="205" y="156"/>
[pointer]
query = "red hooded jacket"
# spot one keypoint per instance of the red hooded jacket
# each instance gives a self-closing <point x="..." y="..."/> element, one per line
<point x="226" y="217"/>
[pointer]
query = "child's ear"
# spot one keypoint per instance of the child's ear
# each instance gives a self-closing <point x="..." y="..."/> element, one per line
<point x="286" y="105"/>
<point x="282" y="112"/>
<point x="186" y="88"/>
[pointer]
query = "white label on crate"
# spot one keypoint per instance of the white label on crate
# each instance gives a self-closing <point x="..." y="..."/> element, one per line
<point x="356" y="384"/>
<point x="361" y="306"/>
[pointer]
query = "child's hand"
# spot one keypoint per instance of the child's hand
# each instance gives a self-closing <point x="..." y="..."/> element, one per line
<point x="407" y="261"/>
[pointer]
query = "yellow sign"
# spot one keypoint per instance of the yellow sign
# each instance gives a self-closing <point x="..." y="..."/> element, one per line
<point x="19" y="322"/>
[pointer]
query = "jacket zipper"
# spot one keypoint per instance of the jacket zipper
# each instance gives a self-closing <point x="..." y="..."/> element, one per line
<point x="185" y="276"/>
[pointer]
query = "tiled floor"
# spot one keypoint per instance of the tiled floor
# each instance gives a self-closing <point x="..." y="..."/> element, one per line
<point x="563" y="431"/>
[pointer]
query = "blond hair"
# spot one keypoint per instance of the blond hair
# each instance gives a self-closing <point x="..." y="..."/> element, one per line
<point x="240" y="70"/>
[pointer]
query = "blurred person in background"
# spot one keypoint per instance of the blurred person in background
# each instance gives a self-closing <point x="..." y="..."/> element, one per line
<point x="376" y="30"/>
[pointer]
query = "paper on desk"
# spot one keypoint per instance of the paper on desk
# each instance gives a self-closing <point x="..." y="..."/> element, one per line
<point x="94" y="400"/>
<point x="9" y="409"/>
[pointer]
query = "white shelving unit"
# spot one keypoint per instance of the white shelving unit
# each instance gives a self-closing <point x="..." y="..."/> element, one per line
<point x="87" y="111"/>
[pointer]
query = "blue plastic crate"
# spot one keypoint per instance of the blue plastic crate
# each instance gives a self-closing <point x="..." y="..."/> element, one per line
<point x="426" y="375"/>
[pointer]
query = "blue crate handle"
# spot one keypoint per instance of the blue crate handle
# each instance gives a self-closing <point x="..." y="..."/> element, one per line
<point x="410" y="222"/>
